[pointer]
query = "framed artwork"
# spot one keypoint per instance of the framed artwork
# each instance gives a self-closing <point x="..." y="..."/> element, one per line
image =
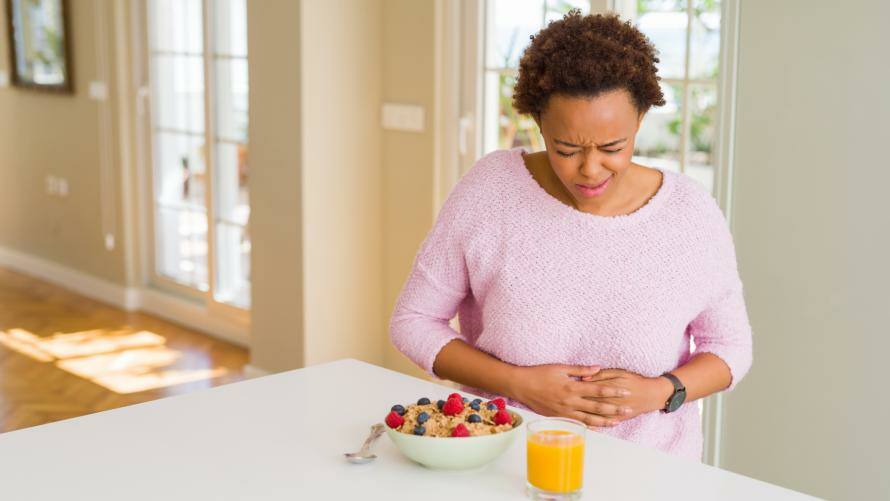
<point x="39" y="44"/>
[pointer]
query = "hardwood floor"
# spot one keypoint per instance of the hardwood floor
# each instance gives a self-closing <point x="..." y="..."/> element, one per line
<point x="63" y="355"/>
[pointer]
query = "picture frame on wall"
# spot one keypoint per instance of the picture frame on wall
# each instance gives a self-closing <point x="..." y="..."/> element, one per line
<point x="40" y="44"/>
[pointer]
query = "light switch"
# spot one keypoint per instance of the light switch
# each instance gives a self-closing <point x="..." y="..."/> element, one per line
<point x="98" y="90"/>
<point x="62" y="187"/>
<point x="4" y="78"/>
<point x="404" y="117"/>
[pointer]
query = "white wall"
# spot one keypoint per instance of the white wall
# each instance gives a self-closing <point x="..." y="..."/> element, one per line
<point x="813" y="237"/>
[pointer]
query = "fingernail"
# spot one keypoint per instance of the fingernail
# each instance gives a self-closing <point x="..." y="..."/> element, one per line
<point x="626" y="410"/>
<point x="625" y="393"/>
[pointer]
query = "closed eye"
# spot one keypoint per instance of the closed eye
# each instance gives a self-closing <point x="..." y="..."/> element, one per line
<point x="567" y="155"/>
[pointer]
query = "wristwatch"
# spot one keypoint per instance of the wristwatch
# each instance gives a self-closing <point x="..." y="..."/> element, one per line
<point x="677" y="397"/>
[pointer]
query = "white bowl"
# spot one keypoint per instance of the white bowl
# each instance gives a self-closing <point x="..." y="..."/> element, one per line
<point x="455" y="453"/>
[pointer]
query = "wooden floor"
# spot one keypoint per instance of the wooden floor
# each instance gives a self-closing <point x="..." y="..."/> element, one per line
<point x="63" y="355"/>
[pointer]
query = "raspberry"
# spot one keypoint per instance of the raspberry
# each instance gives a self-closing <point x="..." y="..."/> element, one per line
<point x="452" y="407"/>
<point x="454" y="395"/>
<point x="503" y="417"/>
<point x="460" y="431"/>
<point x="394" y="420"/>
<point x="500" y="402"/>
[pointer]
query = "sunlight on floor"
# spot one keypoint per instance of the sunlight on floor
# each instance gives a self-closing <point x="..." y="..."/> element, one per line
<point x="119" y="360"/>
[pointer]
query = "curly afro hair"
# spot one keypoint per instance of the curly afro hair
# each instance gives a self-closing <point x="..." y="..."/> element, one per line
<point x="584" y="56"/>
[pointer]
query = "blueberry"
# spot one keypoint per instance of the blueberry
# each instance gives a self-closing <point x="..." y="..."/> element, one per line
<point x="477" y="400"/>
<point x="474" y="405"/>
<point x="398" y="409"/>
<point x="474" y="418"/>
<point x="440" y="404"/>
<point x="465" y="399"/>
<point x="423" y="417"/>
<point x="491" y="406"/>
<point x="419" y="430"/>
<point x="423" y="401"/>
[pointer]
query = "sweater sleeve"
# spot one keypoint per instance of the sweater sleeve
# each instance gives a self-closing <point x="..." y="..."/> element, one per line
<point x="722" y="328"/>
<point x="437" y="284"/>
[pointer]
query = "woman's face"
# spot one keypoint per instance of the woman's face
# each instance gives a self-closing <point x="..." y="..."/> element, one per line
<point x="590" y="142"/>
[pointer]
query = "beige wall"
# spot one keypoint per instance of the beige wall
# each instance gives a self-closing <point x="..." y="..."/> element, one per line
<point x="408" y="174"/>
<point x="341" y="165"/>
<point x="813" y="237"/>
<point x="316" y="192"/>
<point x="42" y="134"/>
<point x="276" y="221"/>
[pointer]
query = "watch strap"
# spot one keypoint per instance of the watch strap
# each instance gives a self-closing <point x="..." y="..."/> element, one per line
<point x="678" y="388"/>
<point x="678" y="385"/>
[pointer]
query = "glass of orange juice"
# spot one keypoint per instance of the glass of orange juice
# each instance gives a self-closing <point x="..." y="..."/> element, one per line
<point x="555" y="458"/>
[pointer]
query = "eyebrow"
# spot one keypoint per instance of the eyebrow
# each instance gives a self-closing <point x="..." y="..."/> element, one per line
<point x="612" y="143"/>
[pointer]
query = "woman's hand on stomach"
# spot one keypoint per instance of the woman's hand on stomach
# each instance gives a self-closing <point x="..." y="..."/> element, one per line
<point x="645" y="394"/>
<point x="568" y="391"/>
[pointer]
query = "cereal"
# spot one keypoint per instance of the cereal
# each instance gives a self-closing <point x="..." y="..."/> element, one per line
<point x="437" y="423"/>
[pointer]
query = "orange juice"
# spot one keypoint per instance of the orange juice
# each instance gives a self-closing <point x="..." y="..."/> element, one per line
<point x="555" y="460"/>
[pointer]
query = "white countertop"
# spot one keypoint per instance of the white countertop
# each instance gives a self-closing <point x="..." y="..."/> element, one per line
<point x="282" y="437"/>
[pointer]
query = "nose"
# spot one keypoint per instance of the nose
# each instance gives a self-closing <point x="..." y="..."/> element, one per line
<point x="592" y="166"/>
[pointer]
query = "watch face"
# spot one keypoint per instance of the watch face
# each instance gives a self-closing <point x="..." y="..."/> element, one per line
<point x="676" y="401"/>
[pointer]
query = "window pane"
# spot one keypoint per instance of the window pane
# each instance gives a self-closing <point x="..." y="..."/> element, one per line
<point x="510" y="23"/>
<point x="179" y="171"/>
<point x="232" y="206"/>
<point x="704" y="45"/>
<point x="702" y="134"/>
<point x="178" y="92"/>
<point x="182" y="246"/>
<point x="230" y="28"/>
<point x="556" y="9"/>
<point x="514" y="129"/>
<point x="658" y="141"/>
<point x="231" y="175"/>
<point x="175" y="25"/>
<point x="664" y="22"/>
<point x="233" y="256"/>
<point x="231" y="99"/>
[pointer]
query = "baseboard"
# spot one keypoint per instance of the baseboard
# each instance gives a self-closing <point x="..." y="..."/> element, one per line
<point x="192" y="315"/>
<point x="182" y="311"/>
<point x="69" y="278"/>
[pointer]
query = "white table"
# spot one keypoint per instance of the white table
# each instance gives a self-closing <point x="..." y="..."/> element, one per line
<point x="282" y="437"/>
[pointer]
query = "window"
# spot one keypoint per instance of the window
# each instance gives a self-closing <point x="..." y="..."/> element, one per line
<point x="198" y="67"/>
<point x="679" y="136"/>
<point x="508" y="25"/>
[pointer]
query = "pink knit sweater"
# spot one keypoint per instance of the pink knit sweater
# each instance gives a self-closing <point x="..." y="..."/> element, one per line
<point x="534" y="281"/>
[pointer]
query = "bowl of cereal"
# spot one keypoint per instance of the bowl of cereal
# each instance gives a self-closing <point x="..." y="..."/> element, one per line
<point x="455" y="433"/>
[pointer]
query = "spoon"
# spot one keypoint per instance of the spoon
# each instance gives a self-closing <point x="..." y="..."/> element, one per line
<point x="364" y="454"/>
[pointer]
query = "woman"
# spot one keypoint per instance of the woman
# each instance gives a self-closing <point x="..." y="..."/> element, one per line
<point x="580" y="277"/>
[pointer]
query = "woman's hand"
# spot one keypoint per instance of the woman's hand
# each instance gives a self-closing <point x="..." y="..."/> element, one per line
<point x="646" y="394"/>
<point x="561" y="390"/>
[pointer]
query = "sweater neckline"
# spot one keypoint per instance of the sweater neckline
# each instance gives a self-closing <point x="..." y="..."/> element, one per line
<point x="652" y="206"/>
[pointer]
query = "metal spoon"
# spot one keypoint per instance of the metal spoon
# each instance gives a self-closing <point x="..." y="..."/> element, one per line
<point x="364" y="454"/>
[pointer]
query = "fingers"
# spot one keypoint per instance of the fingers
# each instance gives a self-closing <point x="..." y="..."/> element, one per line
<point x="592" y="420"/>
<point x="601" y="390"/>
<point x="603" y="409"/>
<point x="580" y="371"/>
<point x="604" y="374"/>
